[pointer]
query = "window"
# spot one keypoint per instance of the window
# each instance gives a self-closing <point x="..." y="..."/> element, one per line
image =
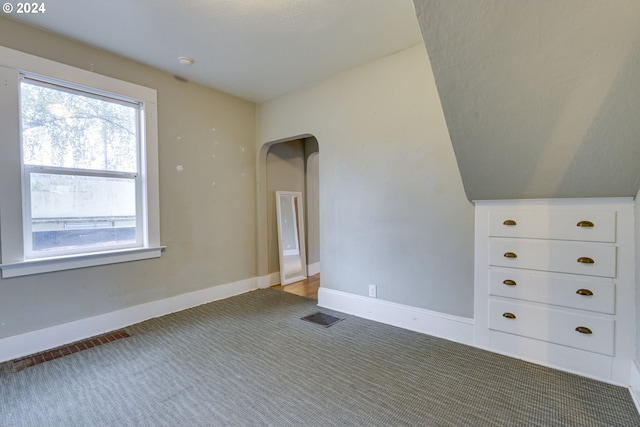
<point x="81" y="167"/>
<point x="78" y="170"/>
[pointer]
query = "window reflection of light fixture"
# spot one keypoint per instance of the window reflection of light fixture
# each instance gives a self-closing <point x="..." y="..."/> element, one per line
<point x="59" y="110"/>
<point x="185" y="60"/>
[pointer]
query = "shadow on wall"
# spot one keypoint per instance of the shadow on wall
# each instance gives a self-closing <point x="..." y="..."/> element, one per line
<point x="612" y="137"/>
<point x="539" y="107"/>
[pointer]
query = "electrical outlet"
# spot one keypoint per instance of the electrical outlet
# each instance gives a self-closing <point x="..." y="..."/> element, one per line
<point x="373" y="291"/>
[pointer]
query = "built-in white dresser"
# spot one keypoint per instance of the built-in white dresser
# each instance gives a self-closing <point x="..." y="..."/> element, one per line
<point x="554" y="283"/>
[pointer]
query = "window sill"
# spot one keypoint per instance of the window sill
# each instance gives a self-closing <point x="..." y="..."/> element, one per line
<point x="47" y="265"/>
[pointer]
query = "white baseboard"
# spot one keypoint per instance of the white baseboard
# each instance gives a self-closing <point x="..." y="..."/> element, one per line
<point x="313" y="269"/>
<point x="635" y="385"/>
<point x="274" y="278"/>
<point x="55" y="336"/>
<point x="597" y="367"/>
<point x="453" y="328"/>
<point x="269" y="280"/>
<point x="263" y="282"/>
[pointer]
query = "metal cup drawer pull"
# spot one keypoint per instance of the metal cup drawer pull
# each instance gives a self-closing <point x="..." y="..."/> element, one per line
<point x="585" y="260"/>
<point x="585" y="292"/>
<point x="585" y="224"/>
<point x="510" y="255"/>
<point x="509" y="282"/>
<point x="509" y="222"/>
<point x="509" y="315"/>
<point x="584" y="330"/>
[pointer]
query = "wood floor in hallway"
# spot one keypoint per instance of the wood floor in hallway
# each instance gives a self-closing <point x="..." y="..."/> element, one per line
<point x="307" y="288"/>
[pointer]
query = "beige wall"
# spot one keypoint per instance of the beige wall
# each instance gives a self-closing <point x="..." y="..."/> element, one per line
<point x="207" y="211"/>
<point x="312" y="198"/>
<point x="392" y="208"/>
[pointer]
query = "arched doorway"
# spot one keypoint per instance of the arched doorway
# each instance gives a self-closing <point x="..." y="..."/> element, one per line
<point x="287" y="165"/>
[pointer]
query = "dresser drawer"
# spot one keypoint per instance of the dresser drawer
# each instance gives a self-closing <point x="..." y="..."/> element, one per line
<point x="592" y="226"/>
<point x="567" y="291"/>
<point x="592" y="259"/>
<point x="554" y="326"/>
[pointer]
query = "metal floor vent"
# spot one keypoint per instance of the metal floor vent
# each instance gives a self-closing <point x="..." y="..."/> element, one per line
<point x="20" y="364"/>
<point x="325" y="320"/>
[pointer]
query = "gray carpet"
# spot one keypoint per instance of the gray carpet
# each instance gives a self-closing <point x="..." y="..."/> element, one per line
<point x="251" y="361"/>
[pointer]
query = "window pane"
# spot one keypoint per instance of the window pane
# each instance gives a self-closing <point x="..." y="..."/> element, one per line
<point x="66" y="129"/>
<point x="69" y="212"/>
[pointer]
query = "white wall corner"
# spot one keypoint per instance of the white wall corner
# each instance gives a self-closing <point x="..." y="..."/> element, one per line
<point x="55" y="336"/>
<point x="635" y="385"/>
<point x="313" y="269"/>
<point x="442" y="325"/>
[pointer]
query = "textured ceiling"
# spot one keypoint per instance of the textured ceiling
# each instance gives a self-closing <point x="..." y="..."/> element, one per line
<point x="541" y="98"/>
<point x="254" y="49"/>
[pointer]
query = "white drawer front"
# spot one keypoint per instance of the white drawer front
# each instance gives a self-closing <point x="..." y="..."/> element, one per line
<point x="561" y="225"/>
<point x="554" y="255"/>
<point x="554" y="326"/>
<point x="566" y="291"/>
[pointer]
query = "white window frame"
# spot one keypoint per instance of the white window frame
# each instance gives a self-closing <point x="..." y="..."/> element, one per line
<point x="14" y="259"/>
<point x="137" y="177"/>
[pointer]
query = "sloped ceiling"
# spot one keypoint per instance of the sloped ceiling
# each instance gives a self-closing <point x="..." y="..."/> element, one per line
<point x="541" y="98"/>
